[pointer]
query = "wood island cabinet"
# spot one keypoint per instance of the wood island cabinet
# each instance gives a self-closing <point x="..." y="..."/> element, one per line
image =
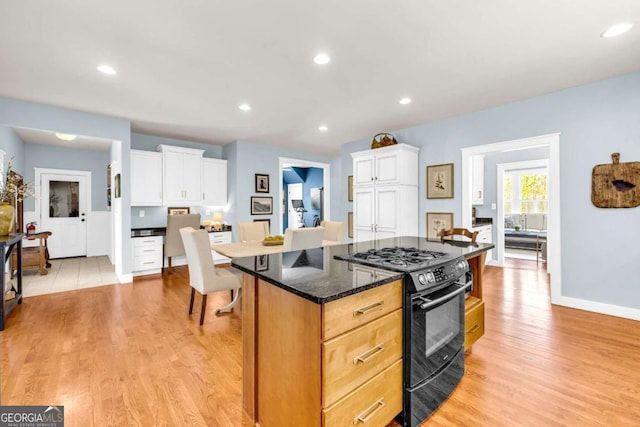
<point x="347" y="353"/>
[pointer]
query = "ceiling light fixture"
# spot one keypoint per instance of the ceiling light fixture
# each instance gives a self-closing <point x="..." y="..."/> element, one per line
<point x="405" y="101"/>
<point x="321" y="59"/>
<point x="245" y="107"/>
<point x="107" y="69"/>
<point x="617" y="29"/>
<point x="323" y="128"/>
<point x="66" y="136"/>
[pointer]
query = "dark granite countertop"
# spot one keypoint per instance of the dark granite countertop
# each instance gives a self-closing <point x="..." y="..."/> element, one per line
<point x="482" y="221"/>
<point x="161" y="231"/>
<point x="316" y="275"/>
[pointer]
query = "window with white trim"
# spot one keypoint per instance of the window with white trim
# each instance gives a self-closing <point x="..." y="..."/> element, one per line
<point x="525" y="191"/>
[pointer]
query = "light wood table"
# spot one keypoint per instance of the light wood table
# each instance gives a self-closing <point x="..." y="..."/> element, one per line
<point x="254" y="248"/>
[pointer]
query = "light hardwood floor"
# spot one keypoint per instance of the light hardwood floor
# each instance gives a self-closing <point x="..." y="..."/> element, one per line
<point x="130" y="355"/>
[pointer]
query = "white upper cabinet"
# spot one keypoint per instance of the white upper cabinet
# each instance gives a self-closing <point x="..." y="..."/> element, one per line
<point x="182" y="180"/>
<point x="477" y="174"/>
<point x="146" y="178"/>
<point x="214" y="182"/>
<point x="395" y="164"/>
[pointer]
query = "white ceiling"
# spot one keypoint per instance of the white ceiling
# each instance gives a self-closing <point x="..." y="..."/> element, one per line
<point x="184" y="67"/>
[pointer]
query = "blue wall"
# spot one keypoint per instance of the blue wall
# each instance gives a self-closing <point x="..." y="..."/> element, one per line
<point x="49" y="156"/>
<point x="13" y="146"/>
<point x="314" y="180"/>
<point x="594" y="120"/>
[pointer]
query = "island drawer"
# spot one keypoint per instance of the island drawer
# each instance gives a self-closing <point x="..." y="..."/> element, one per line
<point x="351" y="359"/>
<point x="374" y="403"/>
<point x="355" y="310"/>
<point x="473" y="322"/>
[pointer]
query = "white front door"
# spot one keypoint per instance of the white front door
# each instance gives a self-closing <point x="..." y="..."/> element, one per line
<point x="63" y="211"/>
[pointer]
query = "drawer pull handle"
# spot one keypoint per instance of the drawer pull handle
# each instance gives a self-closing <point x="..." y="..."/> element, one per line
<point x="149" y="262"/>
<point x="367" y="355"/>
<point x="149" y="250"/>
<point x="367" y="309"/>
<point x="366" y="415"/>
<point x="472" y="330"/>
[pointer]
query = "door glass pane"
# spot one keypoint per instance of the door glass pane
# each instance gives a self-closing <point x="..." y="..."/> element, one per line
<point x="63" y="199"/>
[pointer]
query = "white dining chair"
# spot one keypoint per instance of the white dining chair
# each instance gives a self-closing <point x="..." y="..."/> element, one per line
<point x="204" y="276"/>
<point x="173" y="245"/>
<point x="334" y="231"/>
<point x="252" y="231"/>
<point x="302" y="238"/>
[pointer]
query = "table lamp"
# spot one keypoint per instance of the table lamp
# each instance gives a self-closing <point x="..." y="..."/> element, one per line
<point x="217" y="221"/>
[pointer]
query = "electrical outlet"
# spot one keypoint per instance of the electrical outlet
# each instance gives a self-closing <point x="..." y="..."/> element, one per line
<point x="141" y="213"/>
<point x="208" y="212"/>
<point x="493" y="206"/>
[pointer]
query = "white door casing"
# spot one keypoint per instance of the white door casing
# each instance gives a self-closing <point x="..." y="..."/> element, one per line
<point x="65" y="197"/>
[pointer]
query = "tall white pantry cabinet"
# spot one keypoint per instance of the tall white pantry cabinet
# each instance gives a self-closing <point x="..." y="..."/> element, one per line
<point x="385" y="192"/>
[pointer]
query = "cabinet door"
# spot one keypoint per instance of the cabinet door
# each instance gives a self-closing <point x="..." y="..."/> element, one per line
<point x="214" y="182"/>
<point x="192" y="178"/>
<point x="173" y="178"/>
<point x="387" y="204"/>
<point x="363" y="170"/>
<point x="363" y="214"/>
<point x="387" y="167"/>
<point x="146" y="178"/>
<point x="477" y="186"/>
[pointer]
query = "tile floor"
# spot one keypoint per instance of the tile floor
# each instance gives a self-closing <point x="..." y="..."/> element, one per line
<point x="69" y="274"/>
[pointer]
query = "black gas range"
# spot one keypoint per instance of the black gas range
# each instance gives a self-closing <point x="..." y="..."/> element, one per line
<point x="435" y="284"/>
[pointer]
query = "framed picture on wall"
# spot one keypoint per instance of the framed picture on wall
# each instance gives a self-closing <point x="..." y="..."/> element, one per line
<point x="350" y="188"/>
<point x="179" y="211"/>
<point x="261" y="205"/>
<point x="438" y="221"/>
<point x="350" y="223"/>
<point x="262" y="183"/>
<point x="440" y="181"/>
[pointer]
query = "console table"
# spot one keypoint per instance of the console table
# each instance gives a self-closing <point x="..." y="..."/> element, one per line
<point x="8" y="244"/>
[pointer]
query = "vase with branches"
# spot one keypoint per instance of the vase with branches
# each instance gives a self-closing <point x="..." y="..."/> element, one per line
<point x="12" y="191"/>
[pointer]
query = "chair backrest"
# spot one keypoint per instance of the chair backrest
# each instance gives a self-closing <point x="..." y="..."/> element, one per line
<point x="173" y="245"/>
<point x="202" y="270"/>
<point x="252" y="231"/>
<point x="334" y="230"/>
<point x="302" y="238"/>
<point x="451" y="232"/>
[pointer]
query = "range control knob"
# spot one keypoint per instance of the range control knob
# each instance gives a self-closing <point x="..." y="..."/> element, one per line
<point x="422" y="279"/>
<point x="430" y="277"/>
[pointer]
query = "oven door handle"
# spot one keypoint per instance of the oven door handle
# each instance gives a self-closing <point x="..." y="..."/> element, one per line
<point x="427" y="305"/>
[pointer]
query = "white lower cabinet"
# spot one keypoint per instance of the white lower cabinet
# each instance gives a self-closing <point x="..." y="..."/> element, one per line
<point x="485" y="235"/>
<point x="147" y="255"/>
<point x="217" y="238"/>
<point x="385" y="211"/>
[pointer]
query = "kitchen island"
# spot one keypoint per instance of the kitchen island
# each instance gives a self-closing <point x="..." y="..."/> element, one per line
<point x="322" y="337"/>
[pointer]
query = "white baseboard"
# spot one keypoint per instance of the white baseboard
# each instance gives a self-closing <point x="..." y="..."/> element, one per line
<point x="599" y="307"/>
<point x="125" y="278"/>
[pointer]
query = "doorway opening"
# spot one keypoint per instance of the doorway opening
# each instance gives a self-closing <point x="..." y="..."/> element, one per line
<point x="304" y="193"/>
<point x="553" y="247"/>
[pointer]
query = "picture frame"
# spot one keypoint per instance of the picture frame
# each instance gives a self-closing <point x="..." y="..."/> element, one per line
<point x="440" y="181"/>
<point x="438" y="221"/>
<point x="262" y="262"/>
<point x="350" y="188"/>
<point x="262" y="183"/>
<point x="178" y="211"/>
<point x="350" y="224"/>
<point x="261" y="205"/>
<point x="267" y="220"/>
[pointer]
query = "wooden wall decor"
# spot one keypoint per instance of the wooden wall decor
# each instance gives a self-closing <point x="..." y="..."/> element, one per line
<point x="616" y="185"/>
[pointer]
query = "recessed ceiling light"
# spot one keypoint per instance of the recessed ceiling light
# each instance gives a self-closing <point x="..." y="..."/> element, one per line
<point x="107" y="69"/>
<point x="617" y="29"/>
<point x="323" y="128"/>
<point x="245" y="107"/>
<point x="405" y="101"/>
<point x="321" y="59"/>
<point x="65" y="136"/>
